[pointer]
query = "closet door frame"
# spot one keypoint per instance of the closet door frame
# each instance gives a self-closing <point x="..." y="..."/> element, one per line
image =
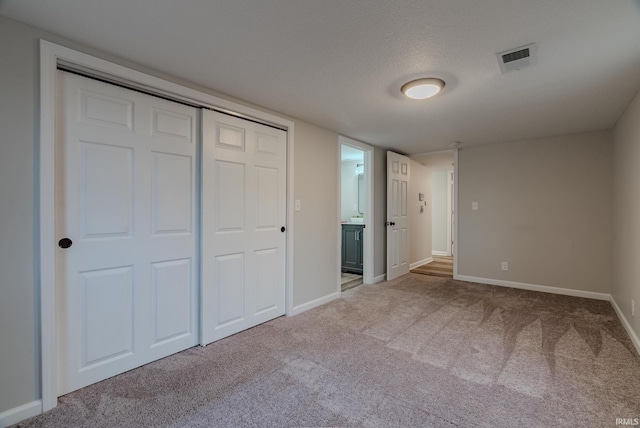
<point x="52" y="57"/>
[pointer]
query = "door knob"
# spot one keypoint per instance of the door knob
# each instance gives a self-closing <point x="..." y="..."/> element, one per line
<point x="282" y="229"/>
<point x="65" y="243"/>
<point x="393" y="223"/>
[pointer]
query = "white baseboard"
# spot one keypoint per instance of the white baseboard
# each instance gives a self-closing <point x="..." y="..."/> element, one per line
<point x="440" y="253"/>
<point x="380" y="278"/>
<point x="420" y="263"/>
<point x="535" y="287"/>
<point x="20" y="413"/>
<point x="312" y="304"/>
<point x="632" y="334"/>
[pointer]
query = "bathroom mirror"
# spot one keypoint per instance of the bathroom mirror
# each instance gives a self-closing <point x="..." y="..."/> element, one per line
<point x="361" y="204"/>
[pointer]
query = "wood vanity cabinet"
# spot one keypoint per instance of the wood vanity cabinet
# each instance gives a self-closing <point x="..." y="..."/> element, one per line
<point x="352" y="235"/>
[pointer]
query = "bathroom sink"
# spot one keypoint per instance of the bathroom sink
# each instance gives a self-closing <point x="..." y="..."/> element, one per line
<point x="357" y="219"/>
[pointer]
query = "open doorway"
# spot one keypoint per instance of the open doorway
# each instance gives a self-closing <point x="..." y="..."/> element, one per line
<point x="443" y="218"/>
<point x="355" y="214"/>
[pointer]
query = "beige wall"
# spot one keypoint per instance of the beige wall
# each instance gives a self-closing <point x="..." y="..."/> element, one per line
<point x="19" y="359"/>
<point x="315" y="252"/>
<point x="544" y="207"/>
<point x="419" y="222"/>
<point x="315" y="259"/>
<point x="440" y="210"/>
<point x="626" y="213"/>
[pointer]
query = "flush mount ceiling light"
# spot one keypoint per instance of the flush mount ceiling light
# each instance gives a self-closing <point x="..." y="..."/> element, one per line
<point x="421" y="89"/>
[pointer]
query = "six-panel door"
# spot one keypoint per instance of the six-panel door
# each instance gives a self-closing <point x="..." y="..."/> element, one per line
<point x="397" y="215"/>
<point x="125" y="186"/>
<point x="243" y="220"/>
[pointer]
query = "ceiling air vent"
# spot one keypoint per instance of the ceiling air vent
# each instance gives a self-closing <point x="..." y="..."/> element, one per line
<point x="518" y="58"/>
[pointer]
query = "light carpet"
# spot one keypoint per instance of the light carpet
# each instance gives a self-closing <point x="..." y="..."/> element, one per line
<point x="418" y="351"/>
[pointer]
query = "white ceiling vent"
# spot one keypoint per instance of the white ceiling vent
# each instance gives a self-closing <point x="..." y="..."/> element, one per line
<point x="518" y="58"/>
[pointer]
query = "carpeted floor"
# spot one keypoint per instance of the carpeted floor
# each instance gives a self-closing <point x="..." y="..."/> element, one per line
<point x="418" y="351"/>
<point x="440" y="266"/>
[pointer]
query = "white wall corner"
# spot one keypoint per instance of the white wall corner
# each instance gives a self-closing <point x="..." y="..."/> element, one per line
<point x="420" y="263"/>
<point x="536" y="287"/>
<point x="20" y="413"/>
<point x="379" y="278"/>
<point x="626" y="324"/>
<point x="314" y="303"/>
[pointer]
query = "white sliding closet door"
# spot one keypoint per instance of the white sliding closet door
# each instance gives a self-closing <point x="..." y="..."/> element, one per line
<point x="125" y="181"/>
<point x="243" y="220"/>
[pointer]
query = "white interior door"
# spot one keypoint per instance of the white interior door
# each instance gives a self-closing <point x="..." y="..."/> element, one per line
<point x="243" y="219"/>
<point x="125" y="198"/>
<point x="397" y="215"/>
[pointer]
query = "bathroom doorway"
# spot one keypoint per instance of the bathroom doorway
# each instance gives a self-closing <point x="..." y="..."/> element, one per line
<point x="355" y="214"/>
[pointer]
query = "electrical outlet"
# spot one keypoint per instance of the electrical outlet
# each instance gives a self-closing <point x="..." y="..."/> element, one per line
<point x="298" y="205"/>
<point x="505" y="265"/>
<point x="474" y="206"/>
<point x="633" y="308"/>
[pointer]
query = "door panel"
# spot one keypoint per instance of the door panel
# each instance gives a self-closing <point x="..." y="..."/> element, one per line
<point x="267" y="197"/>
<point x="107" y="314"/>
<point x="171" y="201"/>
<point x="398" y="173"/>
<point x="172" y="124"/>
<point x="267" y="286"/>
<point x="125" y="183"/>
<point x="230" y="196"/>
<point x="101" y="109"/>
<point x="171" y="300"/>
<point x="106" y="190"/>
<point x="243" y="209"/>
<point x="230" y="280"/>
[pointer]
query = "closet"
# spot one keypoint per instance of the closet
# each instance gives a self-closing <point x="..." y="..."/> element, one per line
<point x="170" y="225"/>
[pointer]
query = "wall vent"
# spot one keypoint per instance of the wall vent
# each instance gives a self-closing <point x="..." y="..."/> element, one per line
<point x="518" y="58"/>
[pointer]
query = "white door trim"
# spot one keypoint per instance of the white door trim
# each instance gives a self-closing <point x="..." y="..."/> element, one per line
<point x="455" y="214"/>
<point x="450" y="212"/>
<point x="368" y="231"/>
<point x="50" y="56"/>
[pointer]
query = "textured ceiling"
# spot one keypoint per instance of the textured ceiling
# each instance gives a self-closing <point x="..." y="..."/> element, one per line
<point x="340" y="63"/>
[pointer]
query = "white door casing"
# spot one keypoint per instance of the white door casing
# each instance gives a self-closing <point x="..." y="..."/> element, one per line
<point x="451" y="213"/>
<point x="243" y="218"/>
<point x="125" y="187"/>
<point x="368" y="238"/>
<point x="398" y="175"/>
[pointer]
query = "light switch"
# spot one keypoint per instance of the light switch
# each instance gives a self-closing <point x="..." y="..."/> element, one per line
<point x="474" y="206"/>
<point x="298" y="205"/>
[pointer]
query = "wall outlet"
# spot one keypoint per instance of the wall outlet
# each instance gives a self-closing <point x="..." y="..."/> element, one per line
<point x="298" y="205"/>
<point x="633" y="308"/>
<point x="474" y="206"/>
<point x="505" y="265"/>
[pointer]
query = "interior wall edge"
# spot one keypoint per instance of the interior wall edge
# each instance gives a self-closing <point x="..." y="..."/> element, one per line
<point x="20" y="413"/>
<point x="627" y="325"/>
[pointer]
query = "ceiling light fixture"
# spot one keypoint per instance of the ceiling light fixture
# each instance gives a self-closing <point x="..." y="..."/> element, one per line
<point x="421" y="89"/>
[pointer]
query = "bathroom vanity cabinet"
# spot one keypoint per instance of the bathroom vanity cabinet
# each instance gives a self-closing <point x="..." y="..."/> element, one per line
<point x="352" y="235"/>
